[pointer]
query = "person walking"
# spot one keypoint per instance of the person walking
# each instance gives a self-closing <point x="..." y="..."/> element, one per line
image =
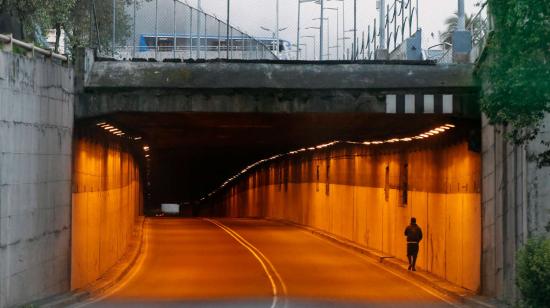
<point x="414" y="236"/>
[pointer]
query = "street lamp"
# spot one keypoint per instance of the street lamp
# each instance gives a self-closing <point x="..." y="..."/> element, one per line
<point x="299" y="49"/>
<point x="314" y="43"/>
<point x="344" y="39"/>
<point x="354" y="43"/>
<point x="298" y="28"/>
<point x="343" y="23"/>
<point x="337" y="28"/>
<point x="328" y="37"/>
<point x="274" y="34"/>
<point x="320" y="39"/>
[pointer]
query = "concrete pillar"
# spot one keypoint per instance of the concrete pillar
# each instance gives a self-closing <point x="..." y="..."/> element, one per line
<point x="381" y="54"/>
<point x="462" y="45"/>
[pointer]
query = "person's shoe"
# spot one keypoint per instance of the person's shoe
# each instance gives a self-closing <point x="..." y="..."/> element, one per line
<point x="414" y="269"/>
<point x="409" y="268"/>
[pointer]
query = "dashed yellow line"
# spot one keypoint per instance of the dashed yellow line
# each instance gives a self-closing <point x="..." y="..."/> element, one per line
<point x="262" y="259"/>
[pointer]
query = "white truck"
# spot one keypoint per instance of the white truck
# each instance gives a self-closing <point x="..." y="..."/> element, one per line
<point x="170" y="208"/>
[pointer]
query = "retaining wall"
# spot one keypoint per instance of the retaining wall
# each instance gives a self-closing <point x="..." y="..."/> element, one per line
<point x="36" y="124"/>
<point x="516" y="205"/>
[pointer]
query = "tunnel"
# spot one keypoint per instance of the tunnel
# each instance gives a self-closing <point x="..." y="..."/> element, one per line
<point x="358" y="176"/>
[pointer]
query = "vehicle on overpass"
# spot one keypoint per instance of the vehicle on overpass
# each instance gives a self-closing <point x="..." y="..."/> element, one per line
<point x="213" y="46"/>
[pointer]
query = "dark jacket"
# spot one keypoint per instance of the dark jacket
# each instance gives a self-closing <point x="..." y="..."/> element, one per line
<point x="413" y="233"/>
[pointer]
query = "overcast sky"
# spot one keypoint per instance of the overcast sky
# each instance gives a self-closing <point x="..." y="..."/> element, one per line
<point x="249" y="15"/>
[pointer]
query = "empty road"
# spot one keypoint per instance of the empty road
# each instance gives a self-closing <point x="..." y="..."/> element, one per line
<point x="256" y="263"/>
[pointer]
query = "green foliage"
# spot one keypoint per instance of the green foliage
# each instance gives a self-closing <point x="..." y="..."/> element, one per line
<point x="515" y="73"/>
<point x="533" y="273"/>
<point x="86" y="22"/>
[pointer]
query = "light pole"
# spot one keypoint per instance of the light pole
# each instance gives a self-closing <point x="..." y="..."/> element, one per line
<point x="343" y="25"/>
<point x="337" y="29"/>
<point x="298" y="27"/>
<point x="274" y="34"/>
<point x="335" y="46"/>
<point x="344" y="39"/>
<point x="227" y="28"/>
<point x="353" y="44"/>
<point x="277" y="26"/>
<point x="321" y="30"/>
<point x="299" y="50"/>
<point x="199" y="6"/>
<point x="461" y="24"/>
<point x="354" y="30"/>
<point x="320" y="50"/>
<point x="382" y="26"/>
<point x="328" y="37"/>
<point x="314" y="44"/>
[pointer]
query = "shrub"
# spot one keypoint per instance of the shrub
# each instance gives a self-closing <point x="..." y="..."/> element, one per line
<point x="533" y="273"/>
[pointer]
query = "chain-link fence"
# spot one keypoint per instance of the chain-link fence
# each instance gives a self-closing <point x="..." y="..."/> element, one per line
<point x="171" y="29"/>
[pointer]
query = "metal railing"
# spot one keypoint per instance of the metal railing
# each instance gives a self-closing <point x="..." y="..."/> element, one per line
<point x="8" y="42"/>
<point x="480" y="26"/>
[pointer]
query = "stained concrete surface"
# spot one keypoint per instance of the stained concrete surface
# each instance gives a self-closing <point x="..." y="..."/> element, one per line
<point x="36" y="126"/>
<point x="356" y="193"/>
<point x="515" y="203"/>
<point x="106" y="202"/>
<point x="193" y="262"/>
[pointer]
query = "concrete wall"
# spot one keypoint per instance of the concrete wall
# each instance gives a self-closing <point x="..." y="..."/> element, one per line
<point x="515" y="205"/>
<point x="36" y="123"/>
<point x="357" y="193"/>
<point x="106" y="203"/>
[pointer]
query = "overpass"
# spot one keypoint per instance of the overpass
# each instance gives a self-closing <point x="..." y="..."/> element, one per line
<point x="420" y="87"/>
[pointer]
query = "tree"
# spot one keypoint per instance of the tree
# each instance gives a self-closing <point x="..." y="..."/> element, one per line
<point x="514" y="71"/>
<point x="477" y="27"/>
<point x="84" y="21"/>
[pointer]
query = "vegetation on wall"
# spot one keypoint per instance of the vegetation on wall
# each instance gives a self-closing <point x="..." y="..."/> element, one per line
<point x="515" y="72"/>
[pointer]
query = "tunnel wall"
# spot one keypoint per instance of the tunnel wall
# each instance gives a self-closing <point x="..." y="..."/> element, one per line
<point x="357" y="194"/>
<point x="107" y="200"/>
<point x="36" y="127"/>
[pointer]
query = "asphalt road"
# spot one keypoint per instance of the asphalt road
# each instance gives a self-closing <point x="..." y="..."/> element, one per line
<point x="257" y="263"/>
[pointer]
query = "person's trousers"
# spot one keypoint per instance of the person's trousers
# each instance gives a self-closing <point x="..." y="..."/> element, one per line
<point x="412" y="249"/>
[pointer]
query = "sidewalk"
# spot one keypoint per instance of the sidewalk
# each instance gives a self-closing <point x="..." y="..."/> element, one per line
<point x="461" y="295"/>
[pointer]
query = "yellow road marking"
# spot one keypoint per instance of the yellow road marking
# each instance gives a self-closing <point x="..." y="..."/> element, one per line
<point x="259" y="256"/>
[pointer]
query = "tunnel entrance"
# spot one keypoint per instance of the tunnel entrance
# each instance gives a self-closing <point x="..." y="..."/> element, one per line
<point x="363" y="192"/>
<point x="191" y="154"/>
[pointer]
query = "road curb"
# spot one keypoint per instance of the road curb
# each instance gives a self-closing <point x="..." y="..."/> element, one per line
<point x="106" y="281"/>
<point x="462" y="295"/>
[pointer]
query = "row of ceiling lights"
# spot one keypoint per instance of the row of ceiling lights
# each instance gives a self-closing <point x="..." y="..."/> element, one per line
<point x="120" y="133"/>
<point x="431" y="133"/>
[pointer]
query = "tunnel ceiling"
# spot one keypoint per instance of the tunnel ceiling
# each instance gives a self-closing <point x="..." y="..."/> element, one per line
<point x="193" y="153"/>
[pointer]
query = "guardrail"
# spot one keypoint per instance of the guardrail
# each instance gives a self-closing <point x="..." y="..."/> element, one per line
<point x="8" y="42"/>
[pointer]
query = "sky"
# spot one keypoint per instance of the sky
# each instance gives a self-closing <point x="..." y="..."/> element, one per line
<point x="250" y="15"/>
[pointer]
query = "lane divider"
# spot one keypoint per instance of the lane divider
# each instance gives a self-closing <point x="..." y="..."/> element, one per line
<point x="266" y="264"/>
